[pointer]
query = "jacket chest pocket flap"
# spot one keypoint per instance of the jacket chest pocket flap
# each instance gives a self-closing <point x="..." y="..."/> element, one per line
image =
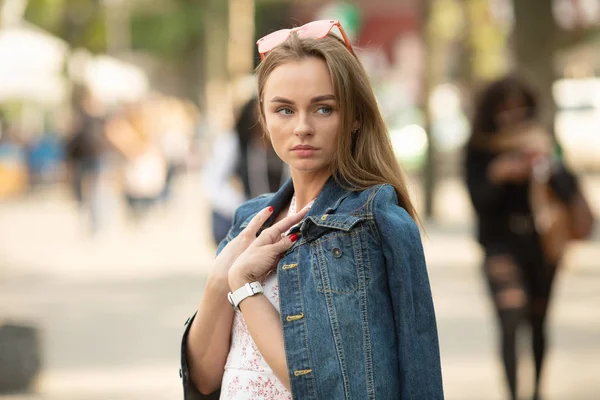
<point x="339" y="254"/>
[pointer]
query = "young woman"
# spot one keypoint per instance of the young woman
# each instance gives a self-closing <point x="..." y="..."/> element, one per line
<point x="327" y="276"/>
<point x="506" y="149"/>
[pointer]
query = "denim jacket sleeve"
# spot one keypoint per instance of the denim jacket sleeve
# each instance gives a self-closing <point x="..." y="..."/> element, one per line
<point x="190" y="392"/>
<point x="414" y="315"/>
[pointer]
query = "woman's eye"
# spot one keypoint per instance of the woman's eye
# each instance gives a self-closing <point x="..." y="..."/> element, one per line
<point x="284" y="111"/>
<point x="326" y="110"/>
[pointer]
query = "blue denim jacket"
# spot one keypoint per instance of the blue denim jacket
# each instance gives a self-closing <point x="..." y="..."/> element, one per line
<point x="356" y="307"/>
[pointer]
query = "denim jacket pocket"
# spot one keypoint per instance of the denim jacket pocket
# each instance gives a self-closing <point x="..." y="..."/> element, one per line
<point x="340" y="262"/>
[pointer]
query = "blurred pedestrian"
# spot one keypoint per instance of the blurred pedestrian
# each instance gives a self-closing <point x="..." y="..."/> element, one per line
<point x="144" y="165"/>
<point x="87" y="153"/>
<point x="13" y="165"/>
<point x="175" y="127"/>
<point x="243" y="165"/>
<point x="520" y="189"/>
<point x="45" y="157"/>
<point x="327" y="277"/>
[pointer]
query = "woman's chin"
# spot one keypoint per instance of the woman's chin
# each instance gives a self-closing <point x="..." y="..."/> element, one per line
<point x="308" y="166"/>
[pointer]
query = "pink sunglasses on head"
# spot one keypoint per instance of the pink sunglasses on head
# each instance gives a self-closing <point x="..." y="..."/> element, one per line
<point x="314" y="30"/>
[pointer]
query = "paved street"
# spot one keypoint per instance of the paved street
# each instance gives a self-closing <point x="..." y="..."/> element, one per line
<point x="112" y="308"/>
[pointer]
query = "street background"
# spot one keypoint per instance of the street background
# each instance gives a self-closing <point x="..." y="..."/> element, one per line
<point x="106" y="254"/>
<point x="112" y="310"/>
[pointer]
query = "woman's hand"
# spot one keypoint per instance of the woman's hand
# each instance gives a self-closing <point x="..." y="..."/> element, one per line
<point x="264" y="252"/>
<point x="209" y="336"/>
<point x="238" y="245"/>
<point x="510" y="167"/>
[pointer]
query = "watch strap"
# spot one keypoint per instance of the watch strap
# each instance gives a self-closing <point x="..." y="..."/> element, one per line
<point x="248" y="290"/>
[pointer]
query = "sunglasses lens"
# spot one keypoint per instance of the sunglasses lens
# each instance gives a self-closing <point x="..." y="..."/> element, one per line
<point x="272" y="40"/>
<point x="316" y="29"/>
<point x="313" y="30"/>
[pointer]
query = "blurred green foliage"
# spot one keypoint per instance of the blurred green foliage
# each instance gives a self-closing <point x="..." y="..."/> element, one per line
<point x="169" y="33"/>
<point x="168" y="29"/>
<point x="80" y="23"/>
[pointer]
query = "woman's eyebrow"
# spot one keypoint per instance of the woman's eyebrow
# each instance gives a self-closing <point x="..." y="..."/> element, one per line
<point x="277" y="99"/>
<point x="316" y="99"/>
<point x="322" y="98"/>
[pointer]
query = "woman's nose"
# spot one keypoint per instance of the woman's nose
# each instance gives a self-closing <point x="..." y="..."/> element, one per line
<point x="303" y="126"/>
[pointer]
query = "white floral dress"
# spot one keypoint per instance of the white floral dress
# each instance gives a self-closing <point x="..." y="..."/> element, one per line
<point x="247" y="375"/>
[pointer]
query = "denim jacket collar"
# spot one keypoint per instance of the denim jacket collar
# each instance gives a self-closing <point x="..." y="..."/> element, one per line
<point x="325" y="204"/>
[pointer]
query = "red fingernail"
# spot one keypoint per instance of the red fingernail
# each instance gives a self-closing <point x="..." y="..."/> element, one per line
<point x="293" y="237"/>
<point x="271" y="209"/>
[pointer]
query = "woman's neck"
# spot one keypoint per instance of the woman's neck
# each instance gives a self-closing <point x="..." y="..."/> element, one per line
<point x="307" y="187"/>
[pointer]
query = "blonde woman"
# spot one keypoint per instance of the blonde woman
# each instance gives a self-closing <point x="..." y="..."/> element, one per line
<point x="327" y="278"/>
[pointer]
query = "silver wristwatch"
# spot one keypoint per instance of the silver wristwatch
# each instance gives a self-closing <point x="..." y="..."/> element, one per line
<point x="248" y="290"/>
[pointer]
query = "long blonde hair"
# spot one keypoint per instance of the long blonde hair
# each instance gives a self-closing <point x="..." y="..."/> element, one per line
<point x="366" y="157"/>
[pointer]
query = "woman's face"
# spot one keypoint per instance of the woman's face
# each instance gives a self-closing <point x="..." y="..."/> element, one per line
<point x="302" y="115"/>
<point x="512" y="112"/>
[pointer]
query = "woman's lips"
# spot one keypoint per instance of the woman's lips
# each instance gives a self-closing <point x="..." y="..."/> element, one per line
<point x="304" y="151"/>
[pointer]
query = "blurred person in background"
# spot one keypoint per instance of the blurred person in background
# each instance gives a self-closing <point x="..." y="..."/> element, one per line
<point x="175" y="125"/>
<point x="516" y="179"/>
<point x="144" y="165"/>
<point x="327" y="277"/>
<point x="45" y="156"/>
<point x="243" y="165"/>
<point x="13" y="165"/>
<point x="87" y="151"/>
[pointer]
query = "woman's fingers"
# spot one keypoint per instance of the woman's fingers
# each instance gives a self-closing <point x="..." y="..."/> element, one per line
<point x="258" y="221"/>
<point x="265" y="257"/>
<point x="284" y="244"/>
<point x="286" y="223"/>
<point x="273" y="234"/>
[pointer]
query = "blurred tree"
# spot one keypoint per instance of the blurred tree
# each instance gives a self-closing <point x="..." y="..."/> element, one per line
<point x="189" y="38"/>
<point x="270" y="16"/>
<point x="216" y="74"/>
<point x="487" y="38"/>
<point x="167" y="29"/>
<point x="441" y="28"/>
<point x="530" y="33"/>
<point x="80" y="23"/>
<point x="174" y="33"/>
<point x="537" y="38"/>
<point x="241" y="47"/>
<point x="433" y="29"/>
<point x="170" y="32"/>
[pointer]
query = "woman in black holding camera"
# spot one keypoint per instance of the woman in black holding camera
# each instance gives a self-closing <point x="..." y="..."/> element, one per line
<point x="507" y="151"/>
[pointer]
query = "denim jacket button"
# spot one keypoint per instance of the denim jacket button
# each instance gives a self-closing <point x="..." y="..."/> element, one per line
<point x="337" y="252"/>
<point x="324" y="217"/>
